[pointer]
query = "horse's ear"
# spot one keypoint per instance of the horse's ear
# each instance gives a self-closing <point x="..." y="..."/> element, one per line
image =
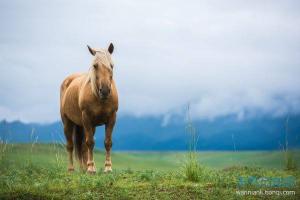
<point x="111" y="48"/>
<point x="92" y="51"/>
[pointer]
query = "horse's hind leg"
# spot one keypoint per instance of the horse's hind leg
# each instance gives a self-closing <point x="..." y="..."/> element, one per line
<point x="80" y="147"/>
<point x="68" y="130"/>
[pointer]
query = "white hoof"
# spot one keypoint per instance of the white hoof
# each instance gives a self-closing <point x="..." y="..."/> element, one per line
<point x="107" y="169"/>
<point x="91" y="168"/>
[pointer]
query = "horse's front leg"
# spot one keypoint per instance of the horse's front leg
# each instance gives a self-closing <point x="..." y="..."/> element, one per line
<point x="68" y="130"/>
<point x="90" y="142"/>
<point x="108" y="142"/>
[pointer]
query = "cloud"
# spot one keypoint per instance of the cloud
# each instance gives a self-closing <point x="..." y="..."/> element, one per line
<point x="225" y="58"/>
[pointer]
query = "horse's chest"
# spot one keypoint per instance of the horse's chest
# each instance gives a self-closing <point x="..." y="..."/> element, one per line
<point x="100" y="115"/>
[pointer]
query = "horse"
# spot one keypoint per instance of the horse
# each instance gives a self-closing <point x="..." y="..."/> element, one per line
<point x="88" y="100"/>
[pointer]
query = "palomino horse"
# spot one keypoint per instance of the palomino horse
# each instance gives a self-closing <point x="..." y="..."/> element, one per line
<point x="86" y="101"/>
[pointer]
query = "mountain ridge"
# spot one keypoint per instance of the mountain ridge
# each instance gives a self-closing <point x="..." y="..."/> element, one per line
<point x="150" y="133"/>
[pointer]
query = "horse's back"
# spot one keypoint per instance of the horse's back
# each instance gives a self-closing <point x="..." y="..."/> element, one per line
<point x="69" y="90"/>
<point x="66" y="83"/>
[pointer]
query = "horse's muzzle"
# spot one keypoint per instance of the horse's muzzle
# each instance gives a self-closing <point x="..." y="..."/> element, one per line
<point x="104" y="92"/>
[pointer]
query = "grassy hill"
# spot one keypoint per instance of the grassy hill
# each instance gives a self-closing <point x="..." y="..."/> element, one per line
<point x="36" y="171"/>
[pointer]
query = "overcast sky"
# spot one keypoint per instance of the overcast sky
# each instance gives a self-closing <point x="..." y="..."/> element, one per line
<point x="224" y="57"/>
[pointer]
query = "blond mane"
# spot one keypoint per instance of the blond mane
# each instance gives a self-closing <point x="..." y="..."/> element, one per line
<point x="91" y="78"/>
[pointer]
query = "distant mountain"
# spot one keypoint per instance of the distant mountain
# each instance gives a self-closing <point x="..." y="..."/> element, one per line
<point x="149" y="133"/>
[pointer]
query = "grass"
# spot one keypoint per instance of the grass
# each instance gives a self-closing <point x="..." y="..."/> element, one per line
<point x="289" y="158"/>
<point x="191" y="166"/>
<point x="39" y="172"/>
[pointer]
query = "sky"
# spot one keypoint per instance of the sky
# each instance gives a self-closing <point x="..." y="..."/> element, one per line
<point x="239" y="58"/>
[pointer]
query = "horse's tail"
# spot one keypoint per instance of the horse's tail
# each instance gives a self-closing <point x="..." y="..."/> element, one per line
<point x="79" y="144"/>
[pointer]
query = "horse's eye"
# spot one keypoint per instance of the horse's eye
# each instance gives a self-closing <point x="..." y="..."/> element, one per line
<point x="111" y="77"/>
<point x="111" y="66"/>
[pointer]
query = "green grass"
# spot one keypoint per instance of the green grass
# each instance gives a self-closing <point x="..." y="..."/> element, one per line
<point x="39" y="172"/>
